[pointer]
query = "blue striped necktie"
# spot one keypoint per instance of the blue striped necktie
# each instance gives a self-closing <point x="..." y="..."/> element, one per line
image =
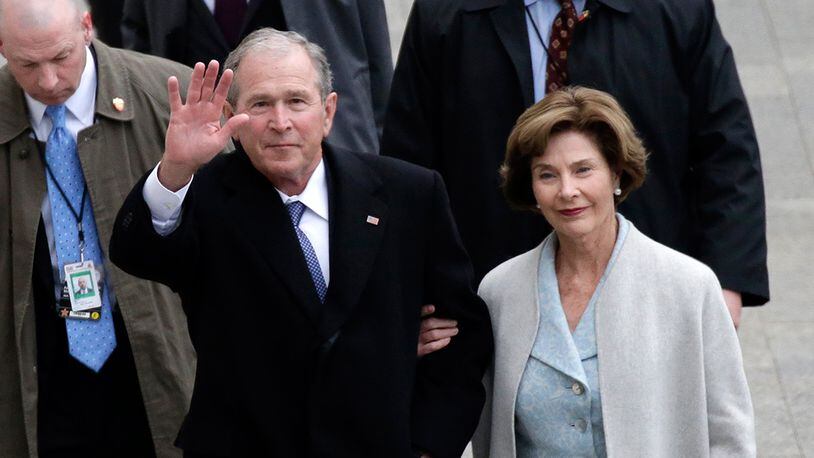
<point x="295" y="211"/>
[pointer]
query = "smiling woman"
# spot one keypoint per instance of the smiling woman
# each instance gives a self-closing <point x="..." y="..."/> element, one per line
<point x="599" y="326"/>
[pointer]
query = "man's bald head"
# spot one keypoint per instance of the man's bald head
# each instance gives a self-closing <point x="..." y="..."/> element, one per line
<point x="44" y="42"/>
<point x="38" y="12"/>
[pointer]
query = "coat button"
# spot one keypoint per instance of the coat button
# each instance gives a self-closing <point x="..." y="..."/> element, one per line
<point x="581" y="425"/>
<point x="577" y="388"/>
<point x="23" y="153"/>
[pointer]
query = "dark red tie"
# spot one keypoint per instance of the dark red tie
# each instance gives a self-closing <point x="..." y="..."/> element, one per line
<point x="562" y="32"/>
<point x="229" y="15"/>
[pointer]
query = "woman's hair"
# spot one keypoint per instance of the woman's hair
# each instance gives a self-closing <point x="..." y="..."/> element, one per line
<point x="588" y="111"/>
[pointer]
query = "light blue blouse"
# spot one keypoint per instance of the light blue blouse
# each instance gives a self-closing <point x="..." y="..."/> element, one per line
<point x="558" y="410"/>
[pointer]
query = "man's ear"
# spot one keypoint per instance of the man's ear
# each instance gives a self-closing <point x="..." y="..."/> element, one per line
<point x="87" y="27"/>
<point x="228" y="112"/>
<point x="330" y="110"/>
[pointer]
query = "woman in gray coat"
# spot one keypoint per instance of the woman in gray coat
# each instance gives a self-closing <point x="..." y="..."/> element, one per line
<point x="606" y="342"/>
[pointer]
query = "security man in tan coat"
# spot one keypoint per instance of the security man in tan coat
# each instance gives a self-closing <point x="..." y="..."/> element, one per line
<point x="107" y="374"/>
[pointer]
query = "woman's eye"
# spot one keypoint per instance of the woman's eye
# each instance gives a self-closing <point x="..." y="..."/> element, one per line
<point x="583" y="170"/>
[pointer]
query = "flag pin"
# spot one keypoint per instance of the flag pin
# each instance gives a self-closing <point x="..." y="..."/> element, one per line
<point x="372" y="220"/>
<point x="118" y="104"/>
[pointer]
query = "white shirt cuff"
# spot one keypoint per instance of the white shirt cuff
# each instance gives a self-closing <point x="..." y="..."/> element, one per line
<point x="165" y="205"/>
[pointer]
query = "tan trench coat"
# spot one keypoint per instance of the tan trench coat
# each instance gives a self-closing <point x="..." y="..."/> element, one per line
<point x="115" y="152"/>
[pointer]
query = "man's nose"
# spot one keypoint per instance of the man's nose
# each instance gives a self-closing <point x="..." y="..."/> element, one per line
<point x="47" y="78"/>
<point x="279" y="118"/>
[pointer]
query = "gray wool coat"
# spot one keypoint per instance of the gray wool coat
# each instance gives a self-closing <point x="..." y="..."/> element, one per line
<point x="670" y="370"/>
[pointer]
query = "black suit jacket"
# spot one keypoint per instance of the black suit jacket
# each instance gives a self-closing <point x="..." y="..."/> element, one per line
<point x="464" y="76"/>
<point x="353" y="33"/>
<point x="280" y="374"/>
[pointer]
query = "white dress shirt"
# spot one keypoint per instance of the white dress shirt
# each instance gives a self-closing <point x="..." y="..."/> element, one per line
<point x="165" y="209"/>
<point x="79" y="113"/>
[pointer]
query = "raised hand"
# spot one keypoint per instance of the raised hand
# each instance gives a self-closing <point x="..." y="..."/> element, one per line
<point x="195" y="135"/>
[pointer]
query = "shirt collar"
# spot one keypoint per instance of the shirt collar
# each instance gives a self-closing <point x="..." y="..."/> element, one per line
<point x="315" y="194"/>
<point x="80" y="104"/>
<point x="530" y="2"/>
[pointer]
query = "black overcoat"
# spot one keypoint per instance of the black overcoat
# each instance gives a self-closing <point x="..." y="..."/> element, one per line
<point x="280" y="374"/>
<point x="464" y="76"/>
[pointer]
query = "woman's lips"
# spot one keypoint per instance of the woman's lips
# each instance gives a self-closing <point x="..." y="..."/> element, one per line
<point x="572" y="211"/>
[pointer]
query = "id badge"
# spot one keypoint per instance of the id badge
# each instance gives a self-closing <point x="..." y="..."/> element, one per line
<point x="84" y="291"/>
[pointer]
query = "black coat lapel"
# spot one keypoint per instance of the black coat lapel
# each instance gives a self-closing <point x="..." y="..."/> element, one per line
<point x="355" y="239"/>
<point x="208" y="19"/>
<point x="510" y="24"/>
<point x="259" y="214"/>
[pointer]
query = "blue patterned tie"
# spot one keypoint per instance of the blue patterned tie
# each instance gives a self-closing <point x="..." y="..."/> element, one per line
<point x="90" y="342"/>
<point x="295" y="210"/>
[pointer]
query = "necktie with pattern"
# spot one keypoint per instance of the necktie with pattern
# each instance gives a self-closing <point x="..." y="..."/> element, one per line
<point x="562" y="33"/>
<point x="295" y="211"/>
<point x="90" y="342"/>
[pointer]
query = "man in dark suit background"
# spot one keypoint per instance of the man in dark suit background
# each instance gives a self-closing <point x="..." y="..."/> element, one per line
<point x="353" y="33"/>
<point x="302" y="268"/>
<point x="468" y="68"/>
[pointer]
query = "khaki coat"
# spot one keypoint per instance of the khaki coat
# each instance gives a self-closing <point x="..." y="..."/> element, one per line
<point x="115" y="151"/>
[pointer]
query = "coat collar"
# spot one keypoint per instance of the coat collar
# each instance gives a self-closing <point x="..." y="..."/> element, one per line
<point x="509" y="21"/>
<point x="353" y="194"/>
<point x="259" y="214"/>
<point x="113" y="81"/>
<point x="554" y="344"/>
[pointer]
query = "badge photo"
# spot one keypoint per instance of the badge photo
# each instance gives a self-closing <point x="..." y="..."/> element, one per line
<point x="83" y="286"/>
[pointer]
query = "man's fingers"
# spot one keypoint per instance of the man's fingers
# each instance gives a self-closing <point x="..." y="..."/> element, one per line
<point x="428" y="309"/>
<point x="210" y="76"/>
<point x="436" y="323"/>
<point x="437" y="334"/>
<point x="195" y="82"/>
<point x="424" y="349"/>
<point x="222" y="90"/>
<point x="174" y="94"/>
<point x="233" y="124"/>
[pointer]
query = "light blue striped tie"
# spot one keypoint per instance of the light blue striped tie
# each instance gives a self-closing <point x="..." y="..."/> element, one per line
<point x="295" y="210"/>
<point x="90" y="342"/>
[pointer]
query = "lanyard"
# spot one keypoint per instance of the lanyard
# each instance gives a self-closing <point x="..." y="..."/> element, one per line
<point x="551" y="58"/>
<point x="78" y="215"/>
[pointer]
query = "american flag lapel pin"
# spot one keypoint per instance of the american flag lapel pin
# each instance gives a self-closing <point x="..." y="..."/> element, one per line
<point x="372" y="220"/>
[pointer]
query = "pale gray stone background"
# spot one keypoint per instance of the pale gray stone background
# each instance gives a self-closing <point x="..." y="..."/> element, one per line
<point x="773" y="41"/>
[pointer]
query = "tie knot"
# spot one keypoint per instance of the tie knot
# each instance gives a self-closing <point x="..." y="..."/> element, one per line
<point x="295" y="210"/>
<point x="57" y="114"/>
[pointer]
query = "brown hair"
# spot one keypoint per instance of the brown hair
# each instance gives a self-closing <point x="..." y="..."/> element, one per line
<point x="591" y="112"/>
